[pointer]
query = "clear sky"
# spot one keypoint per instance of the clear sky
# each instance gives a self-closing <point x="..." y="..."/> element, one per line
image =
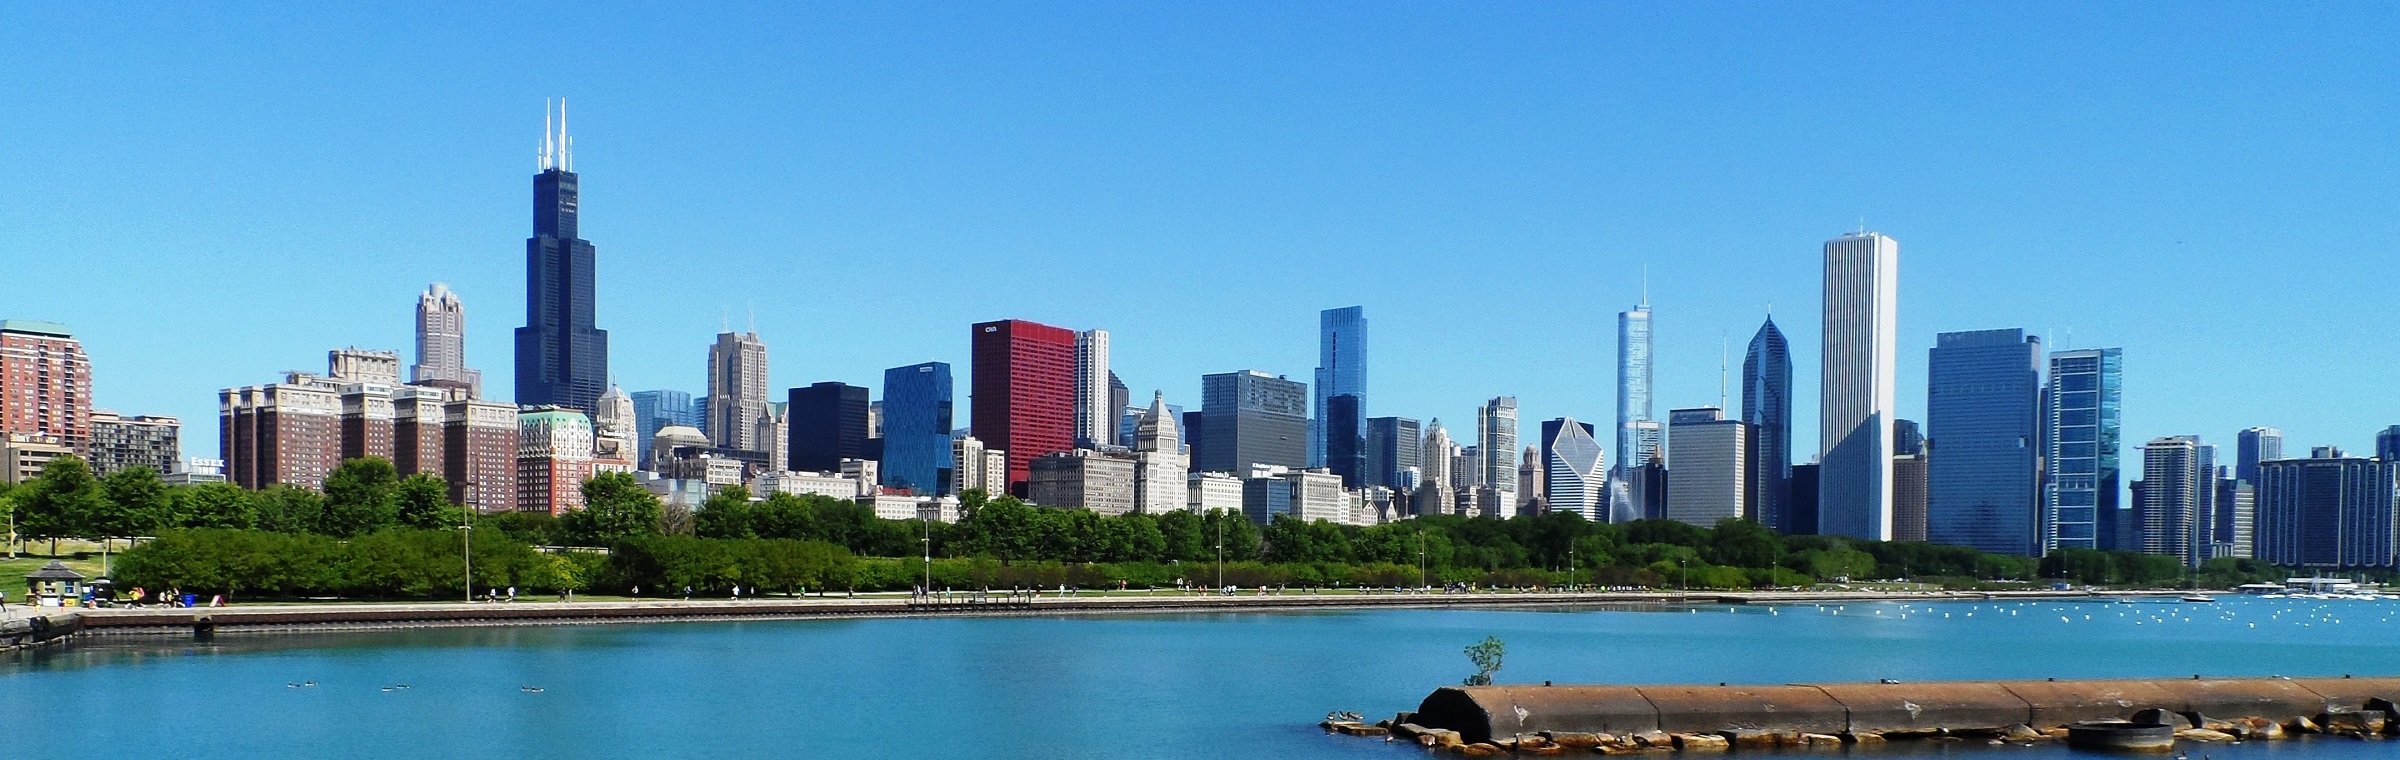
<point x="210" y="196"/>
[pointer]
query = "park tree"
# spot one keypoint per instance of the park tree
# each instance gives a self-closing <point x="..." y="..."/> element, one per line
<point x="138" y="504"/>
<point x="212" y="505"/>
<point x="65" y="501"/>
<point x="360" y="498"/>
<point x="728" y="514"/>
<point x="286" y="508"/>
<point x="1737" y="542"/>
<point x="422" y="500"/>
<point x="615" y="508"/>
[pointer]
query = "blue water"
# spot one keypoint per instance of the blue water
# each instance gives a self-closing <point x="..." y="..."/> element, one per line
<point x="1184" y="686"/>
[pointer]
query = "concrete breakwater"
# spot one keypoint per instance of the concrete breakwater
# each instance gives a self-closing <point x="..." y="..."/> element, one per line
<point x="32" y="631"/>
<point x="270" y="618"/>
<point x="1491" y="720"/>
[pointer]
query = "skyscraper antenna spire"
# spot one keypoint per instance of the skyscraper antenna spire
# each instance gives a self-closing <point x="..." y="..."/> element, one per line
<point x="547" y="153"/>
<point x="1722" y="347"/>
<point x="566" y="149"/>
<point x="1645" y="286"/>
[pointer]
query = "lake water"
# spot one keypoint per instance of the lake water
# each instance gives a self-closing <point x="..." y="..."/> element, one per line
<point x="1180" y="686"/>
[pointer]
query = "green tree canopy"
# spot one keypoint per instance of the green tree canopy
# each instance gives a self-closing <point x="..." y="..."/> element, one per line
<point x="615" y="508"/>
<point x="361" y="497"/>
<point x="422" y="500"/>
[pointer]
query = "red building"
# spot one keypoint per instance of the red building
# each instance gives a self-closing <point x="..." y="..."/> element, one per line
<point x="45" y="383"/>
<point x="1024" y="392"/>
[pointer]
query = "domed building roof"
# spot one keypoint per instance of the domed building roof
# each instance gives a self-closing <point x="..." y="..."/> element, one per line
<point x="678" y="435"/>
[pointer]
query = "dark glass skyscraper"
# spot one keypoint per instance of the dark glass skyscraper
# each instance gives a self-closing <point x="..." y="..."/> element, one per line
<point x="1983" y="406"/>
<point x="657" y="409"/>
<point x="916" y="428"/>
<point x="562" y="357"/>
<point x="1394" y="446"/>
<point x="1345" y="451"/>
<point x="828" y="423"/>
<point x="1341" y="371"/>
<point x="1767" y="407"/>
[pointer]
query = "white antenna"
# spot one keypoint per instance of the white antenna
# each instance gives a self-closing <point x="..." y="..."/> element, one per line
<point x="566" y="150"/>
<point x="547" y="153"/>
<point x="1722" y="360"/>
<point x="1645" y="286"/>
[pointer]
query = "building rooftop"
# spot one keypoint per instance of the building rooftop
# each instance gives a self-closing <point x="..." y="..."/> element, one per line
<point x="52" y="329"/>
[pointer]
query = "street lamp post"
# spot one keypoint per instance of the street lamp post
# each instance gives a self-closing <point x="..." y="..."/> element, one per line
<point x="1684" y="575"/>
<point x="1570" y="566"/>
<point x="1423" y="582"/>
<point x="1220" y="550"/>
<point x="928" y="550"/>
<point x="466" y="533"/>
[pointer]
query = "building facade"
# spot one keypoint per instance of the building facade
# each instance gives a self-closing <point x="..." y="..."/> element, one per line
<point x="1084" y="479"/>
<point x="2252" y="446"/>
<point x="442" y="344"/>
<point x="45" y="383"/>
<point x="562" y="354"/>
<point x="2175" y="491"/>
<point x="1161" y="463"/>
<point x="1983" y="410"/>
<point x="2328" y="511"/>
<point x="658" y="409"/>
<point x="1911" y="503"/>
<point x="828" y="423"/>
<point x="1574" y="473"/>
<point x="288" y="432"/>
<point x="1095" y="418"/>
<point x="1767" y="409"/>
<point x="1496" y="435"/>
<point x="1252" y="419"/>
<point x="737" y="390"/>
<point x="1341" y="371"/>
<point x="479" y="450"/>
<point x="1639" y="436"/>
<point x="1395" y="450"/>
<point x="1710" y="476"/>
<point x="2081" y="483"/>
<point x="916" y="447"/>
<point x="554" y="457"/>
<point x="120" y="443"/>
<point x="1023" y="391"/>
<point x="1861" y="355"/>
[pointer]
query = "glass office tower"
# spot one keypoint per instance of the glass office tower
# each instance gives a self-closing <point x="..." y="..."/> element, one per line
<point x="1983" y="402"/>
<point x="916" y="428"/>
<point x="2080" y="507"/>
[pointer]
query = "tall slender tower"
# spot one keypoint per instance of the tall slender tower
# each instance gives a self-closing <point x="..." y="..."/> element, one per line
<point x="442" y="343"/>
<point x="737" y="390"/>
<point x="1767" y="407"/>
<point x="1862" y="349"/>
<point x="1496" y="433"/>
<point x="562" y="356"/>
<point x="1636" y="441"/>
<point x="1096" y="409"/>
<point x="1341" y="371"/>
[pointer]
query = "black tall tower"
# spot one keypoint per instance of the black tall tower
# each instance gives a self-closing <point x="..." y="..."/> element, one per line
<point x="562" y="358"/>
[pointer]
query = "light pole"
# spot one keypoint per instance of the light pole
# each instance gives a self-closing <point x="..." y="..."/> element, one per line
<point x="466" y="537"/>
<point x="1220" y="550"/>
<point x="928" y="520"/>
<point x="1684" y="576"/>
<point x="1423" y="582"/>
<point x="1570" y="566"/>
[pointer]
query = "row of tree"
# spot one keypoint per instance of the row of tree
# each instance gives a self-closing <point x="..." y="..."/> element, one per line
<point x="366" y="497"/>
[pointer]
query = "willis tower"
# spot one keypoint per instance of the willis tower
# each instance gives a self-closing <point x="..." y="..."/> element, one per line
<point x="562" y="358"/>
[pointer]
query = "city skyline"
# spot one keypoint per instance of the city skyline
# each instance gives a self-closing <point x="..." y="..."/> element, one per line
<point x="454" y="213"/>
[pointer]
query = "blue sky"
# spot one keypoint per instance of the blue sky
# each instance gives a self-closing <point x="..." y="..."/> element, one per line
<point x="210" y="197"/>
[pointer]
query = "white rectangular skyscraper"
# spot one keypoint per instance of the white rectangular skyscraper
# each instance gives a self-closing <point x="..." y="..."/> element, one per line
<point x="1854" y="441"/>
<point x="1095" y="405"/>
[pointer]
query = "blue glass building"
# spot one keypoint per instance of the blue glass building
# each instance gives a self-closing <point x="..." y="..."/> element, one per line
<point x="2080" y="508"/>
<point x="1341" y="371"/>
<point x="916" y="428"/>
<point x="1983" y="402"/>
<point x="1767" y="407"/>
<point x="661" y="408"/>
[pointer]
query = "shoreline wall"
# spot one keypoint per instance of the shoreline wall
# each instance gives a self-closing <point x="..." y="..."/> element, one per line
<point x="164" y="621"/>
<point x="1485" y="713"/>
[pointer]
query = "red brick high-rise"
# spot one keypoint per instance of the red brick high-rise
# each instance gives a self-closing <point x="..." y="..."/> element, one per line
<point x="1024" y="392"/>
<point x="45" y="383"/>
